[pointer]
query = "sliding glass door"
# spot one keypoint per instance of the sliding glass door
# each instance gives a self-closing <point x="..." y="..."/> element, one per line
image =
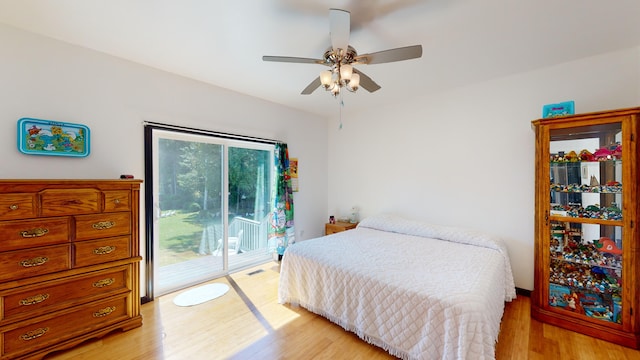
<point x="211" y="199"/>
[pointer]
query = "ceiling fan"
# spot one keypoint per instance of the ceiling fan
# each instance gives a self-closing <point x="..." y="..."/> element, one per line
<point x="340" y="57"/>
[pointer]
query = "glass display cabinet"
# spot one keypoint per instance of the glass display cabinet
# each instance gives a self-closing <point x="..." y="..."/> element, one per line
<point x="586" y="217"/>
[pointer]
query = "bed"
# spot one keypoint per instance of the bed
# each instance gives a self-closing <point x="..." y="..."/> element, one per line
<point x="417" y="290"/>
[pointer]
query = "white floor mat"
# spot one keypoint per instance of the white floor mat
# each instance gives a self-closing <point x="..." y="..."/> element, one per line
<point x="201" y="294"/>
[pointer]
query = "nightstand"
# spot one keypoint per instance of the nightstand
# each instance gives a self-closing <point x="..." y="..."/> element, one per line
<point x="338" y="227"/>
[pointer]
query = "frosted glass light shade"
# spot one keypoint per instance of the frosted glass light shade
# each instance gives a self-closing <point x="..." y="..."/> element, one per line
<point x="325" y="78"/>
<point x="346" y="71"/>
<point x="354" y="82"/>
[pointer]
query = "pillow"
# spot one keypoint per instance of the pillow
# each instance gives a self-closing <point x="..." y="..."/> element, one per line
<point x="397" y="224"/>
<point x="383" y="222"/>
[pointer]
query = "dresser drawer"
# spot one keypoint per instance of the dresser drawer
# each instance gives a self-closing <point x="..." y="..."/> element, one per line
<point x="56" y="202"/>
<point x="83" y="319"/>
<point x="117" y="200"/>
<point x="17" y="206"/>
<point x="54" y="295"/>
<point x="102" y="225"/>
<point x="32" y="233"/>
<point x="101" y="251"/>
<point x="31" y="262"/>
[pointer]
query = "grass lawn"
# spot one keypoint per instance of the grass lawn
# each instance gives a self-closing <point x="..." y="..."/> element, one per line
<point x="180" y="236"/>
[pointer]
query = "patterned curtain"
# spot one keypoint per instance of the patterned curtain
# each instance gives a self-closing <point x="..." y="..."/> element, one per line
<point x="281" y="231"/>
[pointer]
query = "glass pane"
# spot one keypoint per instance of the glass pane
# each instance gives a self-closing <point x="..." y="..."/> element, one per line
<point x="249" y="204"/>
<point x="189" y="211"/>
<point x="585" y="272"/>
<point x="586" y="171"/>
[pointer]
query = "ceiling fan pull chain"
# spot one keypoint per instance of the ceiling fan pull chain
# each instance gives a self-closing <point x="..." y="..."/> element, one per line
<point x="341" y="106"/>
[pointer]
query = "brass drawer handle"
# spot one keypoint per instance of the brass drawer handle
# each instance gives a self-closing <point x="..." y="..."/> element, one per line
<point x="104" y="250"/>
<point x="37" y="232"/>
<point x="36" y="261"/>
<point x="32" y="300"/>
<point x="117" y="201"/>
<point x="104" y="282"/>
<point x="33" y="334"/>
<point x="13" y="207"/>
<point x="104" y="312"/>
<point x="103" y="225"/>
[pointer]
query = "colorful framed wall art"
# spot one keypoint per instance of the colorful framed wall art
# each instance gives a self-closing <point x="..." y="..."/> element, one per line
<point x="46" y="137"/>
<point x="293" y="170"/>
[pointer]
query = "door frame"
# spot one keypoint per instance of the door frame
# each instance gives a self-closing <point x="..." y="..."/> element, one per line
<point x="227" y="140"/>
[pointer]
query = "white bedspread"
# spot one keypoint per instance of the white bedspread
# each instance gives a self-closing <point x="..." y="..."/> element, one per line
<point x="416" y="290"/>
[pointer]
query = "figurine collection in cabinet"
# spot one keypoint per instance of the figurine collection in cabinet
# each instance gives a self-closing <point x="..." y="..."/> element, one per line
<point x="586" y="255"/>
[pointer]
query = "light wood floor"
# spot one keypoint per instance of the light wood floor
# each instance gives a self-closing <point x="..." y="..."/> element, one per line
<point x="248" y="323"/>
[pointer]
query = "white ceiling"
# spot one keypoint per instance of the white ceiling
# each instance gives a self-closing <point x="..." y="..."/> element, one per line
<point x="222" y="42"/>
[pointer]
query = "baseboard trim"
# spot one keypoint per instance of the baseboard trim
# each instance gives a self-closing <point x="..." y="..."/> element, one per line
<point x="523" y="292"/>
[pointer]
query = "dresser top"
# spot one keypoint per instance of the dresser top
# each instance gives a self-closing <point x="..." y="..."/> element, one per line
<point x="31" y="185"/>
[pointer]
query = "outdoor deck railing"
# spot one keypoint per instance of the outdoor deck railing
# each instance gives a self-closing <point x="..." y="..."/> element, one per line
<point x="254" y="233"/>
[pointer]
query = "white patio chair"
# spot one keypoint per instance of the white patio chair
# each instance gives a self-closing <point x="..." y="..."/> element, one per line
<point x="234" y="245"/>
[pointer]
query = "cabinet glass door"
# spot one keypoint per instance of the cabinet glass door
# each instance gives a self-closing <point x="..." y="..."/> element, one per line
<point x="586" y="221"/>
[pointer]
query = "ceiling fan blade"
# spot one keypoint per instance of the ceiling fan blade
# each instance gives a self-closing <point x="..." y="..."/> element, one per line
<point x="340" y="27"/>
<point x="366" y="82"/>
<point x="312" y="86"/>
<point x="391" y="55"/>
<point x="291" y="59"/>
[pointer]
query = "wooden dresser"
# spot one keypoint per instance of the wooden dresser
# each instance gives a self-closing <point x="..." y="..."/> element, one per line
<point x="69" y="263"/>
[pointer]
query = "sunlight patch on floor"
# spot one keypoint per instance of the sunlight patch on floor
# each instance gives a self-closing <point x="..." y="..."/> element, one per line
<point x="244" y="316"/>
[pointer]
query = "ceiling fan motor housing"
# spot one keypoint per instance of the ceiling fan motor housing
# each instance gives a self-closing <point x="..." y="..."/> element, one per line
<point x="341" y="56"/>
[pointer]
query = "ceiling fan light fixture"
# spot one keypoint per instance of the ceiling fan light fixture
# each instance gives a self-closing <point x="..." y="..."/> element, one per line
<point x="326" y="78"/>
<point x="335" y="89"/>
<point x="346" y="71"/>
<point x="340" y="75"/>
<point x="354" y="83"/>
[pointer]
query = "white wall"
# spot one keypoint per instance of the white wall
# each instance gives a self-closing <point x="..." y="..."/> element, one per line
<point x="466" y="157"/>
<point x="47" y="79"/>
